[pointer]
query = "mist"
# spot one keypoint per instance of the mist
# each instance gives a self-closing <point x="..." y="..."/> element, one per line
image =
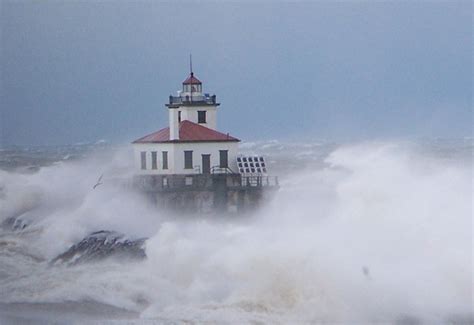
<point x="368" y="232"/>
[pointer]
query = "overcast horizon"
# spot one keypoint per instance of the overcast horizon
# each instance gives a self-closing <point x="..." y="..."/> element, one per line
<point x="82" y="71"/>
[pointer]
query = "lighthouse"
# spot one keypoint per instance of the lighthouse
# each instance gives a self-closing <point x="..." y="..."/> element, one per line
<point x="191" y="165"/>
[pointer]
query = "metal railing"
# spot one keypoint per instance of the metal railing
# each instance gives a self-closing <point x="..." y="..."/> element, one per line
<point x="259" y="181"/>
<point x="221" y="170"/>
<point x="203" y="182"/>
<point x="199" y="99"/>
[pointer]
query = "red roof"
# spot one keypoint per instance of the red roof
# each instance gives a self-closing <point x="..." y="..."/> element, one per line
<point x="188" y="132"/>
<point x="192" y="80"/>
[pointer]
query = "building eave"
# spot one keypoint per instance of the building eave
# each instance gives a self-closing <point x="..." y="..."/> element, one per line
<point x="191" y="104"/>
<point x="186" y="141"/>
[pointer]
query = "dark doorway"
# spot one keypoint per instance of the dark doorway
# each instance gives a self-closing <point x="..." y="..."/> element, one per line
<point x="206" y="164"/>
<point x="223" y="158"/>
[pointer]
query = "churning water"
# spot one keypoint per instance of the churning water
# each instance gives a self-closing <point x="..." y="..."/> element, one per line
<point x="377" y="232"/>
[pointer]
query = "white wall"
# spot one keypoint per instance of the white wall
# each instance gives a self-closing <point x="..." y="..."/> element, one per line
<point x="203" y="148"/>
<point x="173" y="123"/>
<point x="190" y="113"/>
<point x="176" y="156"/>
<point x="148" y="148"/>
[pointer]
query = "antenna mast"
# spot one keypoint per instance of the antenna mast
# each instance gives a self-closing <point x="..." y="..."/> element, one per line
<point x="191" y="71"/>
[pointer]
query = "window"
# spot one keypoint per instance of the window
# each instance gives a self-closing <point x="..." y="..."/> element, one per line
<point x="179" y="116"/>
<point x="196" y="88"/>
<point x="165" y="159"/>
<point x="143" y="159"/>
<point x="223" y="158"/>
<point x="154" y="160"/>
<point x="201" y="116"/>
<point x="188" y="159"/>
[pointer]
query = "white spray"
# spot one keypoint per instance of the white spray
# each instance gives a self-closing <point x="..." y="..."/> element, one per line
<point x="382" y="233"/>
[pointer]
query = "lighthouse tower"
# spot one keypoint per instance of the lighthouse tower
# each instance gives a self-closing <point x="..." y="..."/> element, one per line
<point x="192" y="105"/>
<point x="191" y="143"/>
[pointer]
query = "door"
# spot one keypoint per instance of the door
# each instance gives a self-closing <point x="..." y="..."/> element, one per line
<point x="206" y="164"/>
<point x="223" y="158"/>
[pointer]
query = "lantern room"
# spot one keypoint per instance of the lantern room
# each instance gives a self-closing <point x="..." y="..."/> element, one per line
<point x="192" y="85"/>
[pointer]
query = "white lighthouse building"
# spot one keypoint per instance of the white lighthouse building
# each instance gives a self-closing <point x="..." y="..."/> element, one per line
<point x="191" y="166"/>
<point x="191" y="143"/>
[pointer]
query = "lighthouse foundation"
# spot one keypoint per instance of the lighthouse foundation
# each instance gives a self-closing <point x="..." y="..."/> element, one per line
<point x="207" y="193"/>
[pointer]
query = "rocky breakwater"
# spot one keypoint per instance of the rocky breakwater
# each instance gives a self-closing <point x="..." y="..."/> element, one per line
<point x="101" y="245"/>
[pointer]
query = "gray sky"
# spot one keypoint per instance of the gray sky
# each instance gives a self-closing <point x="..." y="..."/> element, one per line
<point x="82" y="71"/>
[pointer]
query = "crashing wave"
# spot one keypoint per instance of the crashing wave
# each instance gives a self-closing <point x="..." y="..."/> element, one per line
<point x="100" y="245"/>
<point x="14" y="224"/>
